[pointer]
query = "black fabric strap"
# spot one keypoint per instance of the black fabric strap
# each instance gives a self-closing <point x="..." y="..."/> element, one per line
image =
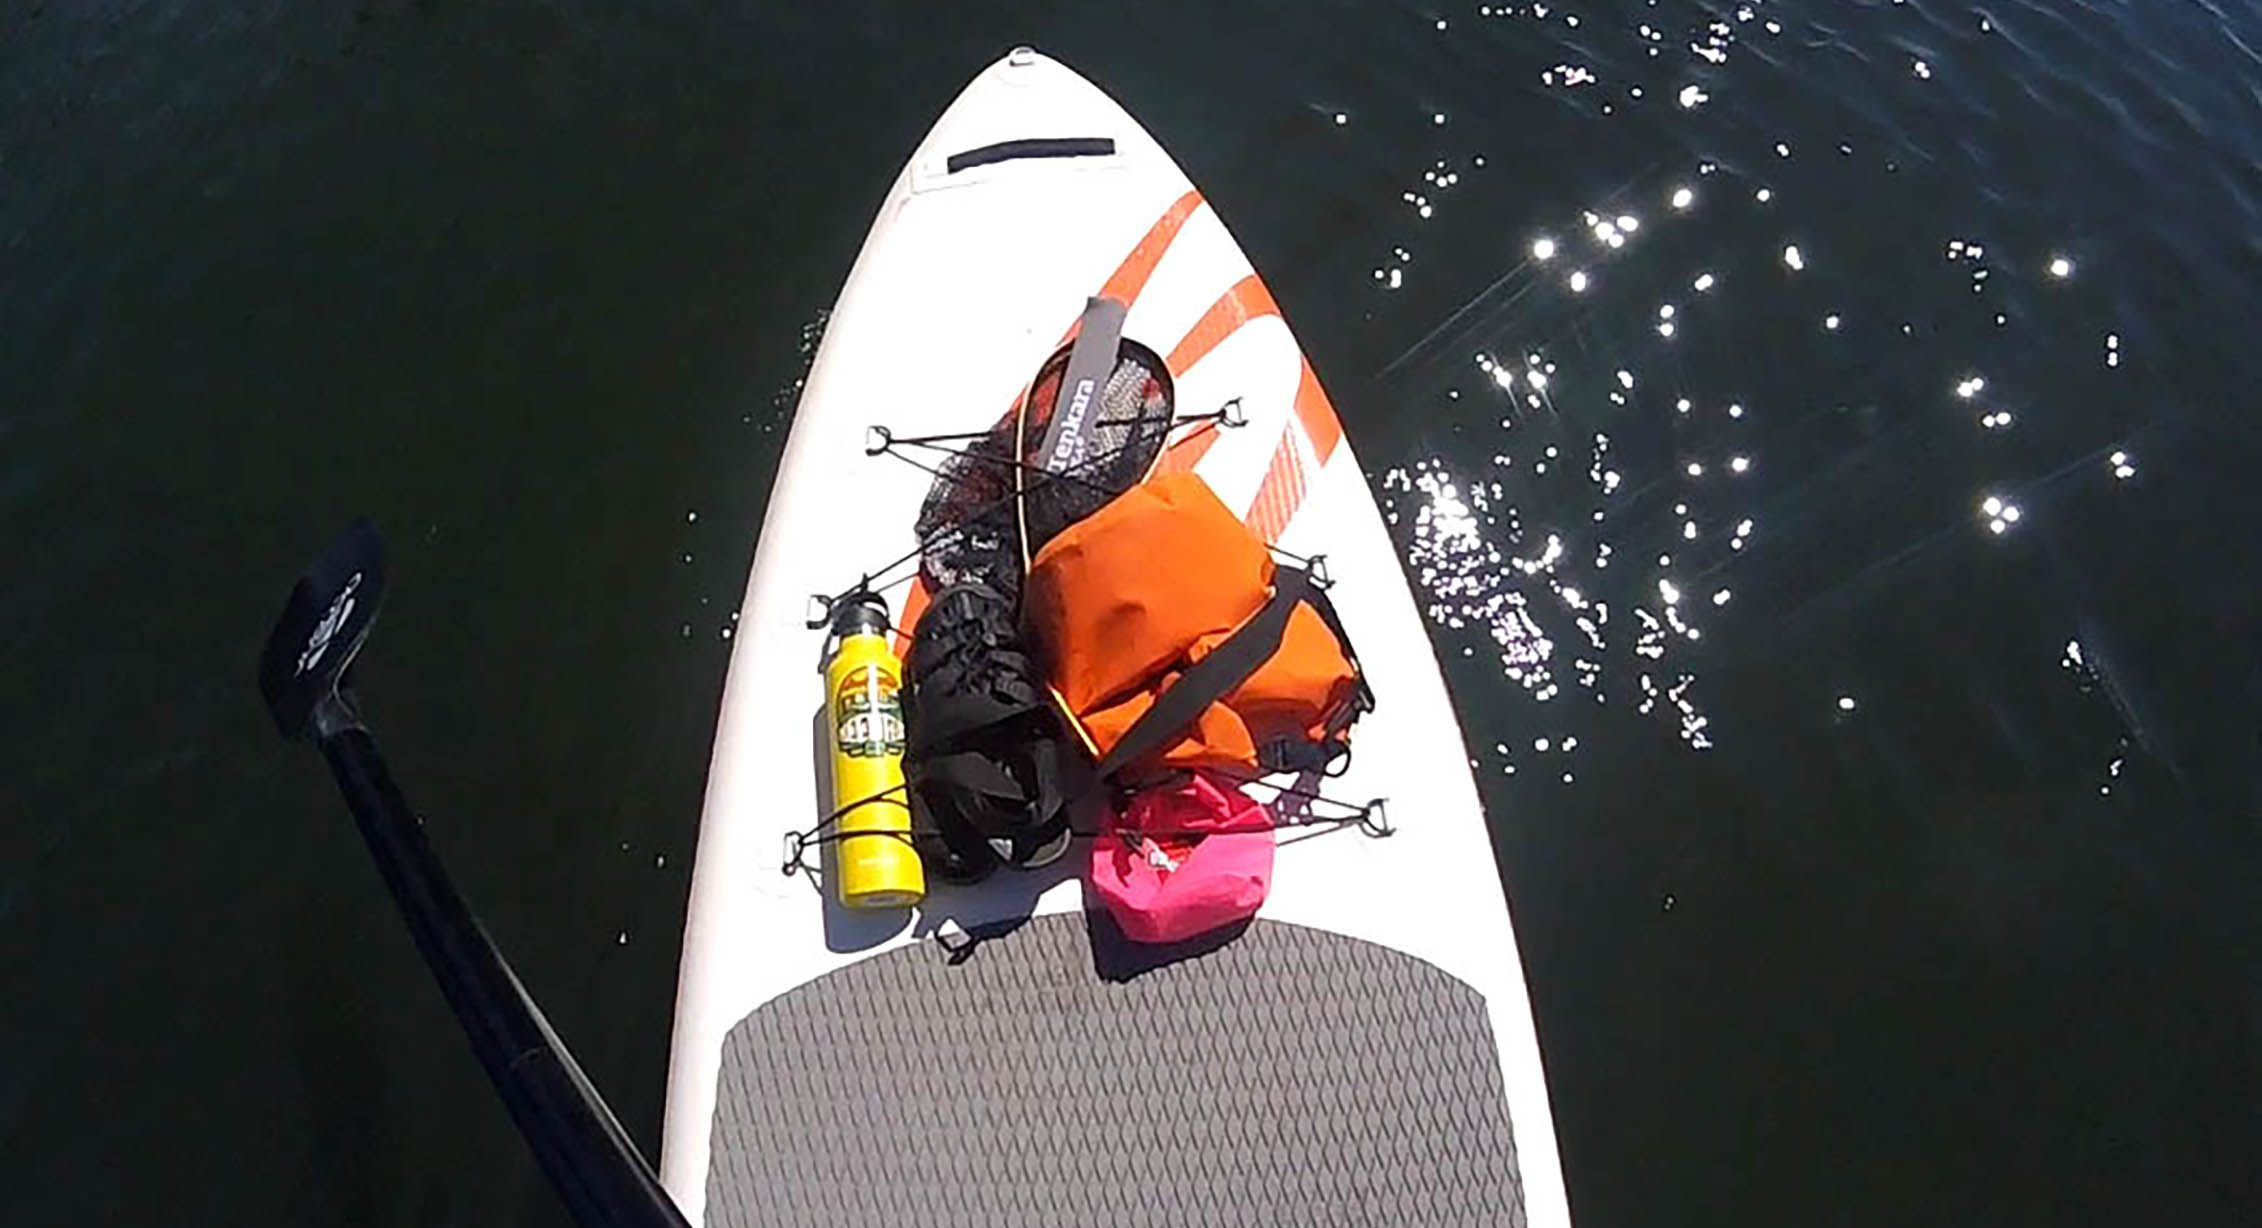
<point x="971" y="771"/>
<point x="1362" y="699"/>
<point x="1228" y="666"/>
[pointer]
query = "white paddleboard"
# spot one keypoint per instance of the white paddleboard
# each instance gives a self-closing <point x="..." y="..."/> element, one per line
<point x="969" y="278"/>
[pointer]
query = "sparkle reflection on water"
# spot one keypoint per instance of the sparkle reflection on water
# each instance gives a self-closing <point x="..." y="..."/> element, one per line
<point x="1501" y="549"/>
<point x="1879" y="853"/>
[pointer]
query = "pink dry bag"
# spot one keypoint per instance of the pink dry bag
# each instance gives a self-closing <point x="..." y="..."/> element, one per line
<point x="1184" y="859"/>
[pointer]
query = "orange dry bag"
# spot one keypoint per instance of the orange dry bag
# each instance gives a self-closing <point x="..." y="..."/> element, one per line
<point x="1174" y="640"/>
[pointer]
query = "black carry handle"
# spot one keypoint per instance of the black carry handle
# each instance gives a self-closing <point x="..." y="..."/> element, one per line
<point x="597" y="1171"/>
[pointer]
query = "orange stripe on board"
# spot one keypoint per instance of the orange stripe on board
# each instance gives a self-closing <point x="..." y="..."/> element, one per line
<point x="914" y="604"/>
<point x="1318" y="417"/>
<point x="1124" y="285"/>
<point x="1247" y="300"/>
<point x="1130" y="277"/>
<point x="1312" y="409"/>
<point x="1281" y="492"/>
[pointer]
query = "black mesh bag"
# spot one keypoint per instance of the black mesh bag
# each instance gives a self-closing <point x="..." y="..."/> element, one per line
<point x="992" y="505"/>
<point x="1122" y="436"/>
<point x="969" y="525"/>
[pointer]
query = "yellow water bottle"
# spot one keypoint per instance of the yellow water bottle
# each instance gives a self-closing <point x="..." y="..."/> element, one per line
<point x="877" y="865"/>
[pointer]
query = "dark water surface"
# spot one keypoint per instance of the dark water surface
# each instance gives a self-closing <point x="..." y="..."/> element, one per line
<point x="1882" y="854"/>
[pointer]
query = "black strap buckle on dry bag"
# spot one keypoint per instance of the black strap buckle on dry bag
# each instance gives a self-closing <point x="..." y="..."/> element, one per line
<point x="1229" y="665"/>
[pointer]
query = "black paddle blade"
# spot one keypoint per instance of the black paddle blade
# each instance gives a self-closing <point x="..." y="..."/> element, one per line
<point x="322" y="626"/>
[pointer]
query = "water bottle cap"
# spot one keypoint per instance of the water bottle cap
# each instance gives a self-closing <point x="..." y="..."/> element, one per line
<point x="863" y="614"/>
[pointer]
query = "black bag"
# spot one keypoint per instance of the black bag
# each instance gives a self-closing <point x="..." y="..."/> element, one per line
<point x="997" y="502"/>
<point x="987" y="759"/>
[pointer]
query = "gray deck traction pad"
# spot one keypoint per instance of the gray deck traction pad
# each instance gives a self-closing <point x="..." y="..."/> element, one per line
<point x="1052" y="1073"/>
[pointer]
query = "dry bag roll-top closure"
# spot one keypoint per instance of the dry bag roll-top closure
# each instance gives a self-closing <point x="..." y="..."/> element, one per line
<point x="1173" y="640"/>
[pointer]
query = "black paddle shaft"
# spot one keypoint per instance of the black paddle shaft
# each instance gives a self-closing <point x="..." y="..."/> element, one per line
<point x="595" y="1166"/>
<point x="598" y="1173"/>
